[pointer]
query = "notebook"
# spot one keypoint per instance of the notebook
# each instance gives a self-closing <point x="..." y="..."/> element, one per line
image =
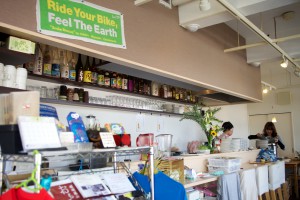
<point x="38" y="132"/>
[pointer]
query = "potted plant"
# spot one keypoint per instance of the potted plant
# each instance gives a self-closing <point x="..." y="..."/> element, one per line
<point x="207" y="121"/>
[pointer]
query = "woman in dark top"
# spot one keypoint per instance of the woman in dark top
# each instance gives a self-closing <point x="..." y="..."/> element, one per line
<point x="269" y="133"/>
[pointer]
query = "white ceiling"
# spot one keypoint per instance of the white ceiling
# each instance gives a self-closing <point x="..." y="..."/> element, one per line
<point x="261" y="13"/>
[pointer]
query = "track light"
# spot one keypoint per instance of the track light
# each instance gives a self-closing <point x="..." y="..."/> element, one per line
<point x="274" y="120"/>
<point x="297" y="72"/>
<point x="284" y="62"/>
<point x="265" y="90"/>
<point x="266" y="87"/>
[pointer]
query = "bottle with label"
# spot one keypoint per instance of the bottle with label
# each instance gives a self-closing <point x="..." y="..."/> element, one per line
<point x="125" y="82"/>
<point x="119" y="81"/>
<point x="169" y="92"/>
<point x="64" y="67"/>
<point x="100" y="78"/>
<point x="72" y="65"/>
<point x="107" y="79"/>
<point x="130" y="84"/>
<point x="135" y="85"/>
<point x="87" y="74"/>
<point x="154" y="89"/>
<point x="79" y="69"/>
<point x="47" y="61"/>
<point x="55" y="64"/>
<point x="94" y="71"/>
<point x="173" y="92"/>
<point x="113" y="80"/>
<point x="38" y="62"/>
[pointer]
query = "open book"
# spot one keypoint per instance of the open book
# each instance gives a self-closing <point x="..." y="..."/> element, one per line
<point x="90" y="185"/>
<point x="66" y="190"/>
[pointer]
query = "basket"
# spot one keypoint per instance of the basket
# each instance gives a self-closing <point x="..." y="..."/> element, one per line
<point x="230" y="169"/>
<point x="224" y="162"/>
<point x="173" y="168"/>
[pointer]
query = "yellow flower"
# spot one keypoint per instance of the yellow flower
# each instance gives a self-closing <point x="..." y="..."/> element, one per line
<point x="213" y="133"/>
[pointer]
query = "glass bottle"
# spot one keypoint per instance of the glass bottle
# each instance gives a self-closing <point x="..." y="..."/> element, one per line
<point x="47" y="65"/>
<point x="79" y="69"/>
<point x="55" y="64"/>
<point x="141" y="86"/>
<point x="64" y="67"/>
<point x="72" y="66"/>
<point x="119" y="81"/>
<point x="154" y="89"/>
<point x="107" y="79"/>
<point x="135" y="85"/>
<point x="113" y="80"/>
<point x="94" y="72"/>
<point x="130" y="84"/>
<point x="173" y="92"/>
<point x="87" y="74"/>
<point x="125" y="82"/>
<point x="100" y="78"/>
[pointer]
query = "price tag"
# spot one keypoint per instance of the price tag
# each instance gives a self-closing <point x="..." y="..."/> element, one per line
<point x="107" y="139"/>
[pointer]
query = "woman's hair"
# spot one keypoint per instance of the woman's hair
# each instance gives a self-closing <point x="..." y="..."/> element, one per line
<point x="270" y="126"/>
<point x="227" y="126"/>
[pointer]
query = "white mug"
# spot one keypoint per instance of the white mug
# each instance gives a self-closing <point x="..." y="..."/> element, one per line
<point x="9" y="76"/>
<point x="21" y="78"/>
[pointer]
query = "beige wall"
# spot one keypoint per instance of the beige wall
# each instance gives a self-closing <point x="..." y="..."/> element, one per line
<point x="156" y="43"/>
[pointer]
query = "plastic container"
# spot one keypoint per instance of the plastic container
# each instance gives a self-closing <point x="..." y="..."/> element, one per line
<point x="224" y="162"/>
<point x="80" y="147"/>
<point x="230" y="169"/>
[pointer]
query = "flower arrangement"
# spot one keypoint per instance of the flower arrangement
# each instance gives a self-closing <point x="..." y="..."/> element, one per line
<point x="206" y="119"/>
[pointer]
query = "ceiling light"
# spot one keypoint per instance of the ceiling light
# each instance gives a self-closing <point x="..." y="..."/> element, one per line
<point x="265" y="90"/>
<point x="297" y="72"/>
<point x="274" y="120"/>
<point x="284" y="62"/>
<point x="204" y="5"/>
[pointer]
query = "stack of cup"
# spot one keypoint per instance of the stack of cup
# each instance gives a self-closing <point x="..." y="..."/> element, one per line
<point x="9" y="76"/>
<point x="1" y="73"/>
<point x="21" y="78"/>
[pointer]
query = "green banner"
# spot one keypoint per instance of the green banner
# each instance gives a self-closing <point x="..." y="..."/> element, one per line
<point x="81" y="20"/>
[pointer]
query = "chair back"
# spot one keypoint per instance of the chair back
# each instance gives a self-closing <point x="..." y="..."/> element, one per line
<point x="262" y="179"/>
<point x="248" y="184"/>
<point x="276" y="175"/>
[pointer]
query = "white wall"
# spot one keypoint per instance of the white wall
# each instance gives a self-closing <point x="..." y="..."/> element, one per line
<point x="270" y="105"/>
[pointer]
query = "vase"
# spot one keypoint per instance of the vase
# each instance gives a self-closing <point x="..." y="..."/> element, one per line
<point x="210" y="143"/>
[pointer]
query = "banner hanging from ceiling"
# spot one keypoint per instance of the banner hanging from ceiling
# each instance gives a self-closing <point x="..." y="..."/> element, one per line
<point x="76" y="19"/>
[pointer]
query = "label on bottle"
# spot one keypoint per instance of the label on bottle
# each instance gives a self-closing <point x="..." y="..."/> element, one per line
<point x="87" y="76"/>
<point x="47" y="69"/>
<point x="55" y="70"/>
<point x="100" y="79"/>
<point x="125" y="84"/>
<point x="72" y="74"/>
<point x="64" y="72"/>
<point x="119" y="83"/>
<point x="94" y="77"/>
<point x="113" y="82"/>
<point x="107" y="81"/>
<point x="80" y="76"/>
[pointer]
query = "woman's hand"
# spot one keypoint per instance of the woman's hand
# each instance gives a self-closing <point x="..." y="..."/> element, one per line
<point x="259" y="135"/>
<point x="276" y="139"/>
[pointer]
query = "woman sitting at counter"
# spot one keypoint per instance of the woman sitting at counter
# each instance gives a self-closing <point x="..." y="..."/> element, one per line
<point x="270" y="134"/>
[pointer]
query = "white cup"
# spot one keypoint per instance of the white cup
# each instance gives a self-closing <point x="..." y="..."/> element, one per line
<point x="9" y="76"/>
<point x="21" y="78"/>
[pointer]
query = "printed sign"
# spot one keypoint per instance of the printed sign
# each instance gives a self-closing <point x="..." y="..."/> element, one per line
<point x="81" y="20"/>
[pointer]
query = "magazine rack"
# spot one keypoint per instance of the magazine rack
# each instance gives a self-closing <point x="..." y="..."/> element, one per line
<point x="62" y="156"/>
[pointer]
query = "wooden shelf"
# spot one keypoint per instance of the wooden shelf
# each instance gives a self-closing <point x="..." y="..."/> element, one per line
<point x="96" y="87"/>
<point x="92" y="105"/>
<point x="9" y="57"/>
<point x="4" y="90"/>
<point x="198" y="181"/>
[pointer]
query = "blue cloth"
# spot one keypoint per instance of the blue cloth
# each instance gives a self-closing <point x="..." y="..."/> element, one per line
<point x="165" y="188"/>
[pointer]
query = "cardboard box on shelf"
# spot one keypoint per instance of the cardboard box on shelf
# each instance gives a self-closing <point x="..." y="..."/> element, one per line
<point x="20" y="45"/>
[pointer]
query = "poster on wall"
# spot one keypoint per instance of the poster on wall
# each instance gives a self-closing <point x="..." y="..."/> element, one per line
<point x="76" y="19"/>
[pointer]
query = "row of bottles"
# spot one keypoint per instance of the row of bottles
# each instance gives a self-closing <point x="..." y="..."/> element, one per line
<point x="68" y="65"/>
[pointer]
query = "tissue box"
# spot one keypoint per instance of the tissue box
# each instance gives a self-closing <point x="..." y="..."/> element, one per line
<point x="20" y="45"/>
